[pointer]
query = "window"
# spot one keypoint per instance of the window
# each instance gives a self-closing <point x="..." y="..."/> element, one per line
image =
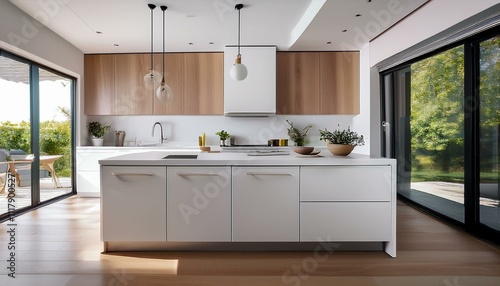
<point x="444" y="110"/>
<point x="36" y="127"/>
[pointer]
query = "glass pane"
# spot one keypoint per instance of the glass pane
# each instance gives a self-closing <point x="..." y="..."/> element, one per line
<point x="436" y="133"/>
<point x="489" y="93"/>
<point x="15" y="136"/>
<point x="55" y="135"/>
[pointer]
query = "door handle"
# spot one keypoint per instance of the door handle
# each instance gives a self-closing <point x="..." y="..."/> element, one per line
<point x="267" y="174"/>
<point x="198" y="174"/>
<point x="132" y="174"/>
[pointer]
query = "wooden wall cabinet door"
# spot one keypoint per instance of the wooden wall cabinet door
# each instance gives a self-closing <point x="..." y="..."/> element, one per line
<point x="174" y="76"/>
<point x="131" y="96"/>
<point x="339" y="83"/>
<point x="318" y="83"/>
<point x="204" y="84"/>
<point x="297" y="83"/>
<point x="99" y="76"/>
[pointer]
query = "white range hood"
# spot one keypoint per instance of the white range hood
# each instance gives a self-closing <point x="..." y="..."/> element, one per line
<point x="255" y="95"/>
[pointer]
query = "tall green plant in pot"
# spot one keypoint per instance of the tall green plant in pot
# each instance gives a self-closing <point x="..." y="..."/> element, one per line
<point x="97" y="130"/>
<point x="341" y="142"/>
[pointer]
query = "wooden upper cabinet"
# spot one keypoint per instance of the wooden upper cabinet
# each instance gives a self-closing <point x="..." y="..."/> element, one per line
<point x="339" y="83"/>
<point x="318" y="83"/>
<point x="99" y="88"/>
<point x="174" y="78"/>
<point x="131" y="95"/>
<point x="114" y="84"/>
<point x="204" y="84"/>
<point x="297" y="83"/>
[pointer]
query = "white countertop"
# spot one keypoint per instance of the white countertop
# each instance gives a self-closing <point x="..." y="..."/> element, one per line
<point x="155" y="158"/>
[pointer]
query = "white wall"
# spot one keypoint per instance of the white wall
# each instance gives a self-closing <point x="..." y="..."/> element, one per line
<point x="431" y="19"/>
<point x="22" y="35"/>
<point x="434" y="17"/>
<point x="184" y="130"/>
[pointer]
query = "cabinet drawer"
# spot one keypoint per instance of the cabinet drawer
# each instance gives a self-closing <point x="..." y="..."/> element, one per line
<point x="345" y="221"/>
<point x="345" y="183"/>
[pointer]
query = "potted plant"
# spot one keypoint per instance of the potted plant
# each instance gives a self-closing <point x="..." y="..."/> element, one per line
<point x="297" y="136"/>
<point x="224" y="138"/>
<point x="97" y="130"/>
<point x="341" y="142"/>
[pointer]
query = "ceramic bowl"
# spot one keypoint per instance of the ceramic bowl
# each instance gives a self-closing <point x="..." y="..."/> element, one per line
<point x="302" y="150"/>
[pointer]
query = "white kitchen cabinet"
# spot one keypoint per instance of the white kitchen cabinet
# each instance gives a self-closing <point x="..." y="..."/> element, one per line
<point x="88" y="171"/>
<point x="345" y="221"/>
<point x="256" y="94"/>
<point x="266" y="204"/>
<point x="345" y="183"/>
<point x="133" y="203"/>
<point x="348" y="203"/>
<point x="199" y="204"/>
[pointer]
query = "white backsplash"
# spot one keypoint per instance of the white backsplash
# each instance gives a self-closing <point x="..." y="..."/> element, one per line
<point x="184" y="130"/>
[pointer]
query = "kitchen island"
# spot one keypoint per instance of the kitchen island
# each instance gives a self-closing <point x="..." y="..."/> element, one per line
<point x="232" y="201"/>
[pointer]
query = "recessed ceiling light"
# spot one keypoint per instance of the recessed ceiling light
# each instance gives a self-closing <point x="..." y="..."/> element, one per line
<point x="357" y="15"/>
<point x="211" y="43"/>
<point x="343" y="31"/>
<point x="116" y="45"/>
<point x="368" y="1"/>
<point x="98" y="32"/>
<point x="328" y="43"/>
<point x="191" y="44"/>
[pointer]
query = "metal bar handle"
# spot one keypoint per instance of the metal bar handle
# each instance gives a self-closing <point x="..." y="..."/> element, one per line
<point x="267" y="174"/>
<point x="198" y="174"/>
<point x="132" y="174"/>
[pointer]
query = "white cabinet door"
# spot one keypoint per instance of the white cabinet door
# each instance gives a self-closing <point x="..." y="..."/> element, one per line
<point x="265" y="204"/>
<point x="345" y="221"/>
<point x="257" y="93"/>
<point x="199" y="204"/>
<point x="88" y="172"/>
<point x="133" y="203"/>
<point x="345" y="183"/>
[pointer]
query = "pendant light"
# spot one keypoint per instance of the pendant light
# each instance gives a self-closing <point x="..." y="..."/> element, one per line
<point x="164" y="92"/>
<point x="152" y="76"/>
<point x="238" y="71"/>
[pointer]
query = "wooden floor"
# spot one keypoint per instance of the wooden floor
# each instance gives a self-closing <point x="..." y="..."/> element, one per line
<point x="59" y="245"/>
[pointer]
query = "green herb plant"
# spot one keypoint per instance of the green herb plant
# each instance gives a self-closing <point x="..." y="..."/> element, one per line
<point x="344" y="137"/>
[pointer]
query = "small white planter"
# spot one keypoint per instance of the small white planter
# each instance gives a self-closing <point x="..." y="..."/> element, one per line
<point x="97" y="141"/>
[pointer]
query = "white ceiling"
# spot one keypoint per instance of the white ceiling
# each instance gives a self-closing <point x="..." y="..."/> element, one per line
<point x="289" y="24"/>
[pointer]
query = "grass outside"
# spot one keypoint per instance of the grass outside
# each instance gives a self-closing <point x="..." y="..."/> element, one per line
<point x="451" y="177"/>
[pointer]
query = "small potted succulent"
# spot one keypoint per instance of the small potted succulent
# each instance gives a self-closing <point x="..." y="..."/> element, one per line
<point x="97" y="130"/>
<point x="298" y="137"/>
<point x="224" y="138"/>
<point x="341" y="142"/>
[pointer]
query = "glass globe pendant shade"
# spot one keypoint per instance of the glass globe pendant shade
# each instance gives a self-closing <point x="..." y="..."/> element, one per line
<point x="238" y="71"/>
<point x="151" y="79"/>
<point x="164" y="93"/>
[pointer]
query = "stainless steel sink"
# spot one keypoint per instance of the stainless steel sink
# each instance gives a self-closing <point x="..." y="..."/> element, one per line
<point x="181" y="156"/>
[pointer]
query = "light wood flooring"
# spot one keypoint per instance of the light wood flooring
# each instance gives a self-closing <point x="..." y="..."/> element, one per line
<point x="60" y="245"/>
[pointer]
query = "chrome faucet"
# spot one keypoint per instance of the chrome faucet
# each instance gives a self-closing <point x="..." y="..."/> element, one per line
<point x="161" y="132"/>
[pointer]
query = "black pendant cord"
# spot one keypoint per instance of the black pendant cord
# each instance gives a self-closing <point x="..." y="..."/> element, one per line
<point x="163" y="8"/>
<point x="152" y="7"/>
<point x="239" y="29"/>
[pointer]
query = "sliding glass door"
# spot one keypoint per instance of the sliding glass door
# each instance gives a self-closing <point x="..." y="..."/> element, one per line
<point x="55" y="134"/>
<point x="441" y="121"/>
<point x="15" y="135"/>
<point x="36" y="107"/>
<point x="489" y="132"/>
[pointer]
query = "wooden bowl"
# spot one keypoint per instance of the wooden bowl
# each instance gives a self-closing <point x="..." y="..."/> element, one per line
<point x="302" y="150"/>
